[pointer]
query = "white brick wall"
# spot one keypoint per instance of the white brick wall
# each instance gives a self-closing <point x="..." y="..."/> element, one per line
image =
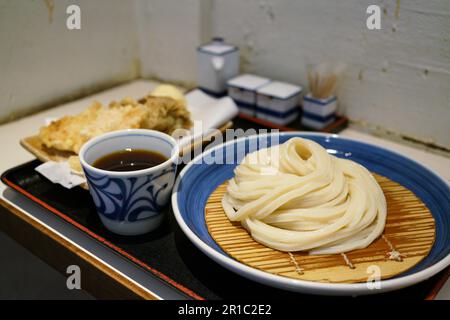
<point x="397" y="78"/>
<point x="41" y="61"/>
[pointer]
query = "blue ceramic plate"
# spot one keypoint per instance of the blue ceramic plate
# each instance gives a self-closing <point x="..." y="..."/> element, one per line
<point x="203" y="175"/>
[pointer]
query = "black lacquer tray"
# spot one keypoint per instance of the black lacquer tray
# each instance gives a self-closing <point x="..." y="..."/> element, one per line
<point x="166" y="253"/>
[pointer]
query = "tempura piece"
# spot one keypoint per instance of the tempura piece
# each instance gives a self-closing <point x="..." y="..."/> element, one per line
<point x="166" y="114"/>
<point x="74" y="164"/>
<point x="170" y="91"/>
<point x="71" y="132"/>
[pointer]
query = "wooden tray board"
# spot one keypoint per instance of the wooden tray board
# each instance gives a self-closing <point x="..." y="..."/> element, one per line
<point x="34" y="145"/>
<point x="410" y="230"/>
<point x="339" y="124"/>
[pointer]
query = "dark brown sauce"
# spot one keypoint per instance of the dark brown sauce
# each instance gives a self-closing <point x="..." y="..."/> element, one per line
<point x="129" y="160"/>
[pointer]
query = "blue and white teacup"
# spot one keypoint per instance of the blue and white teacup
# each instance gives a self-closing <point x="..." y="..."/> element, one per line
<point x="130" y="202"/>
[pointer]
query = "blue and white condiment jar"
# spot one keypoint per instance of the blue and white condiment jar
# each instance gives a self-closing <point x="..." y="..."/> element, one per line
<point x="278" y="102"/>
<point x="242" y="89"/>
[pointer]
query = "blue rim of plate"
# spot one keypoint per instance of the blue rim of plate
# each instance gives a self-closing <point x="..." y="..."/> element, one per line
<point x="199" y="179"/>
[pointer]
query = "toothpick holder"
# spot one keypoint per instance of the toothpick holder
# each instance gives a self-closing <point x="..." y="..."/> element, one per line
<point x="318" y="113"/>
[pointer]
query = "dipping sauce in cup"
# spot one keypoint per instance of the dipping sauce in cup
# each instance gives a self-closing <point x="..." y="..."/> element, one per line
<point x="130" y="174"/>
<point x="129" y="160"/>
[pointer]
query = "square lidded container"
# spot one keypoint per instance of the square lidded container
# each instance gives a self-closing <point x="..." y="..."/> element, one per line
<point x="242" y="90"/>
<point x="318" y="113"/>
<point x="217" y="62"/>
<point x="277" y="102"/>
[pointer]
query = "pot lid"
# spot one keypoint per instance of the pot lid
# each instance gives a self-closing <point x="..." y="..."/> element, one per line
<point x="248" y="81"/>
<point x="217" y="46"/>
<point x="281" y="90"/>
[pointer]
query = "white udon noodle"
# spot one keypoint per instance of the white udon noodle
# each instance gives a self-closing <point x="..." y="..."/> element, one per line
<point x="297" y="197"/>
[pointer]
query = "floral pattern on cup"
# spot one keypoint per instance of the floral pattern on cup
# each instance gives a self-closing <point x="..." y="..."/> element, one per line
<point x="131" y="199"/>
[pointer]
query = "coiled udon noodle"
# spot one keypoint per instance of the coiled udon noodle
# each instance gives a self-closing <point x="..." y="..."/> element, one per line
<point x="297" y="197"/>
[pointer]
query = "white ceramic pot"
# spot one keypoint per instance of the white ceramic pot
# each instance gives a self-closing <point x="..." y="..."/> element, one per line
<point x="217" y="62"/>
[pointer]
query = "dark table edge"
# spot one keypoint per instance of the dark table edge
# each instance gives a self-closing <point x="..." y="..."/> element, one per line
<point x="59" y="253"/>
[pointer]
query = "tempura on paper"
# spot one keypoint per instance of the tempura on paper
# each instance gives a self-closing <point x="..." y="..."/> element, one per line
<point x="158" y="113"/>
<point x="162" y="113"/>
